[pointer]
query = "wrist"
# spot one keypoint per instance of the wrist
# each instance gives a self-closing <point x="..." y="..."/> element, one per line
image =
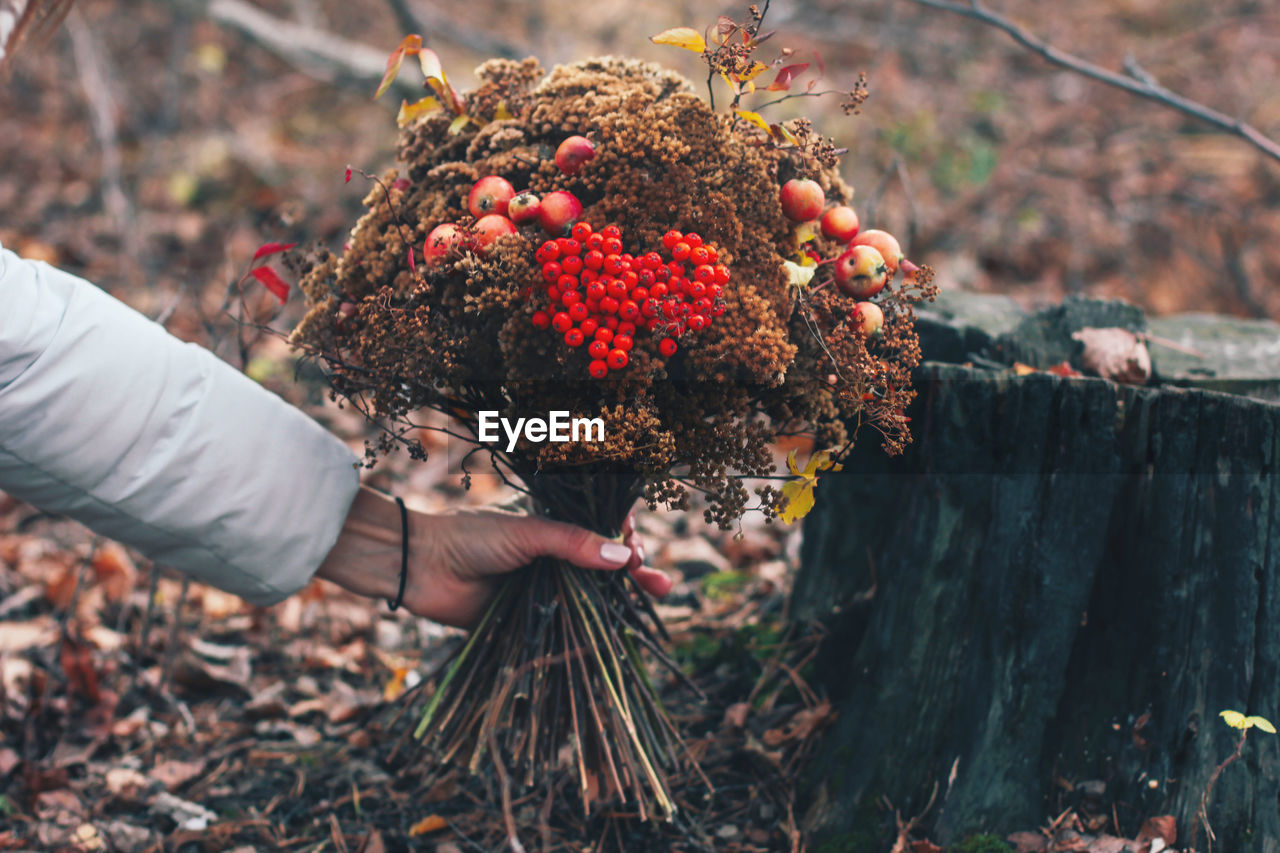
<point x="367" y="558"/>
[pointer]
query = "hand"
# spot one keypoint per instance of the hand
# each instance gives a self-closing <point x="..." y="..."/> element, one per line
<point x="457" y="559"/>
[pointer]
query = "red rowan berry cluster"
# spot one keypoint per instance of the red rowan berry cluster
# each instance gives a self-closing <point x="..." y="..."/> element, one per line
<point x="601" y="296"/>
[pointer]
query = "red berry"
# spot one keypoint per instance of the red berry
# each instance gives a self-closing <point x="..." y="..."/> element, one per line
<point x="802" y="200"/>
<point x="622" y="342"/>
<point x="596" y="290"/>
<point x="578" y="311"/>
<point x="617" y="359"/>
<point x="693" y="240"/>
<point x="541" y="320"/>
<point x="572" y="264"/>
<point x="697" y="290"/>
<point x="490" y="194"/>
<point x="553" y="293"/>
<point x="671" y="238"/>
<point x="612" y="246"/>
<point x="868" y="318"/>
<point x="604" y="334"/>
<point x="551" y="271"/>
<point x="628" y="310"/>
<point x="561" y="322"/>
<point x="566" y="282"/>
<point x="588" y="276"/>
<point x="572" y="153"/>
<point x="597" y="349"/>
<point x="598" y="369"/>
<point x="612" y="265"/>
<point x="667" y="347"/>
<point x="568" y="246"/>
<point x="658" y="291"/>
<point x="593" y="260"/>
<point x="697" y="323"/>
<point x="712" y="254"/>
<point x="705" y="274"/>
<point x="574" y="337"/>
<point x="609" y="305"/>
<point x="611" y="323"/>
<point x="581" y="231"/>
<point x="639" y="294"/>
<point x="595" y="242"/>
<point x="611" y="231"/>
<point x="627" y="329"/>
<point x="699" y="256"/>
<point x="722" y="274"/>
<point x="571" y="297"/>
<point x="488" y="229"/>
<point x="680" y="251"/>
<point x="589" y="326"/>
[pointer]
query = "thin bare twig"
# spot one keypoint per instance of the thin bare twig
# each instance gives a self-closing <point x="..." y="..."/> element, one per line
<point x="1139" y="82"/>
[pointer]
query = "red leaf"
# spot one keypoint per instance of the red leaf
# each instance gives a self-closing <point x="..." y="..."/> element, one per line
<point x="409" y="46"/>
<point x="412" y="269"/>
<point x="271" y="249"/>
<point x="271" y="281"/>
<point x="782" y="82"/>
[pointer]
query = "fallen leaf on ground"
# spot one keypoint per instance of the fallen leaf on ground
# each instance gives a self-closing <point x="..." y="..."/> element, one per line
<point x="1116" y="354"/>
<point x="429" y="824"/>
<point x="1028" y="842"/>
<point x="175" y="774"/>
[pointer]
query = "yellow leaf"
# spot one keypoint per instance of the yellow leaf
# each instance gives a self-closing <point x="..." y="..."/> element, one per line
<point x="456" y="126"/>
<point x="791" y="463"/>
<point x="429" y="61"/>
<point x="1235" y="719"/>
<point x="800" y="274"/>
<point x="429" y="824"/>
<point x="1020" y="369"/>
<point x="1262" y="723"/>
<point x="501" y="113"/>
<point x="409" y="113"/>
<point x="788" y="135"/>
<point x="799" y="500"/>
<point x="686" y="37"/>
<point x="753" y="72"/>
<point x="395" y="686"/>
<point x="409" y="45"/>
<point x="754" y="118"/>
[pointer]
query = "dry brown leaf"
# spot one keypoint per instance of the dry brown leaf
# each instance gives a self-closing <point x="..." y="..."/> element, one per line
<point x="1163" y="827"/>
<point x="114" y="570"/>
<point x="801" y="725"/>
<point x="125" y="780"/>
<point x="1109" y="844"/>
<point x="1028" y="842"/>
<point x="372" y="843"/>
<point x="1116" y="354"/>
<point x="736" y="714"/>
<point x="175" y="774"/>
<point x="20" y="636"/>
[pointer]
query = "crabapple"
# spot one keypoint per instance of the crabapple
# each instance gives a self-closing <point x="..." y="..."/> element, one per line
<point x="884" y="243"/>
<point x="524" y="207"/>
<point x="868" y="318"/>
<point x="802" y="199"/>
<point x="840" y="223"/>
<point x="490" y="194"/>
<point x="442" y="240"/>
<point x="573" y="152"/>
<point x="558" y="211"/>
<point x="489" y="228"/>
<point x="861" y="272"/>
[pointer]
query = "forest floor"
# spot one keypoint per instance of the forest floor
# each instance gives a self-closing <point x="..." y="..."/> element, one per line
<point x="151" y="149"/>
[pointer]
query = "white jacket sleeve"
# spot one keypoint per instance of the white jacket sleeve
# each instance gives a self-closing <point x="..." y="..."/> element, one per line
<point x="158" y="444"/>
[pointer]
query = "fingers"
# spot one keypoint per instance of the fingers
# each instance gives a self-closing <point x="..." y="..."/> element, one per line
<point x="574" y="544"/>
<point x="542" y="537"/>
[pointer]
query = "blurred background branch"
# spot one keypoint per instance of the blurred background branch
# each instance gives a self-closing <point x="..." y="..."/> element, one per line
<point x="1139" y="82"/>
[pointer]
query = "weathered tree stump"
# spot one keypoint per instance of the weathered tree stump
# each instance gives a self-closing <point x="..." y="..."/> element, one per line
<point x="1071" y="579"/>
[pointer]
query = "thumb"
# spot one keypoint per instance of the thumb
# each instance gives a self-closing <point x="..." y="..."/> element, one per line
<point x="577" y="545"/>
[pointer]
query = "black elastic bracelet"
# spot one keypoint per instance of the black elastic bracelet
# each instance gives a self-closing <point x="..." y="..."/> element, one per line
<point x="404" y="553"/>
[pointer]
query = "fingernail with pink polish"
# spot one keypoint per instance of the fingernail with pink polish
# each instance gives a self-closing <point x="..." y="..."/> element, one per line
<point x="614" y="552"/>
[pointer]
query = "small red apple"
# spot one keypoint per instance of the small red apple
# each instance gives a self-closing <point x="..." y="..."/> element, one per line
<point x="884" y="243"/>
<point x="861" y="272"/>
<point x="490" y="195"/>
<point x="573" y="152"/>
<point x="558" y="211"/>
<point x="868" y="319"/>
<point x="802" y="199"/>
<point x="840" y="223"/>
<point x="488" y="229"/>
<point x="441" y="242"/>
<point x="524" y="207"/>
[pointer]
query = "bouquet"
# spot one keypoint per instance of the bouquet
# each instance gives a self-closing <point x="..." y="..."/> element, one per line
<point x="599" y="244"/>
